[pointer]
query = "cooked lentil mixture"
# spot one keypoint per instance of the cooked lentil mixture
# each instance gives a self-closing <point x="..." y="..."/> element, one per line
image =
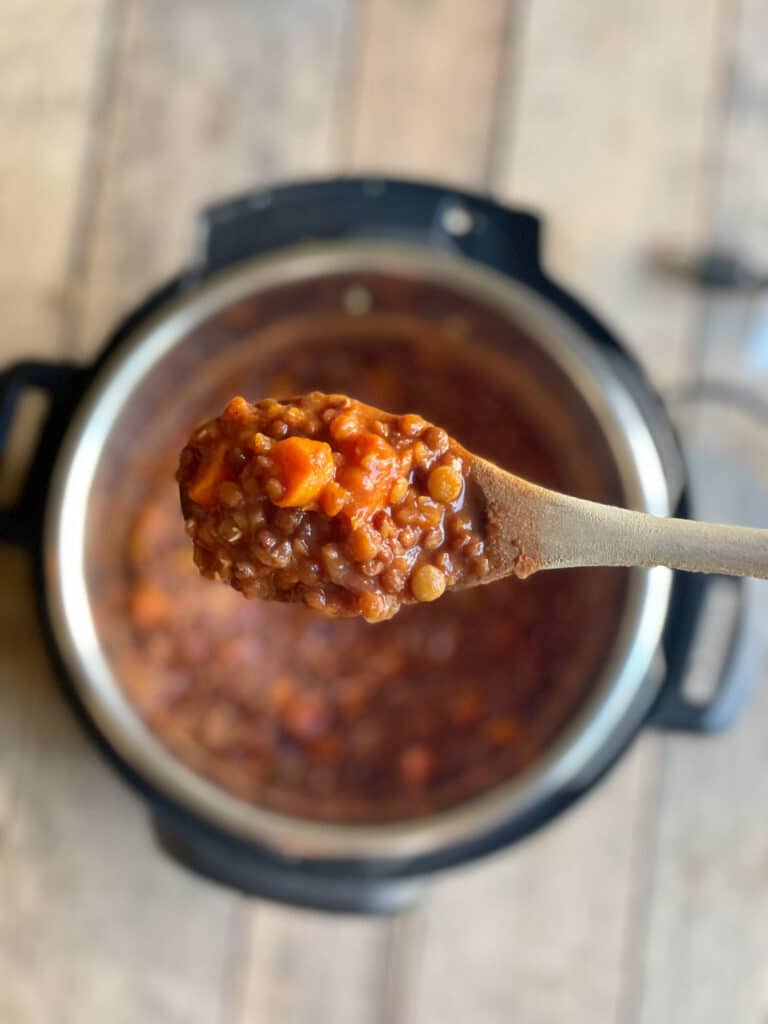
<point x="335" y="719"/>
<point x="325" y="500"/>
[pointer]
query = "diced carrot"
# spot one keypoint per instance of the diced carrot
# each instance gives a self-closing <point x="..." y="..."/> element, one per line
<point x="368" y="446"/>
<point x="204" y="488"/>
<point x="303" y="467"/>
<point x="281" y="690"/>
<point x="370" y="468"/>
<point x="416" y="763"/>
<point x="306" y="716"/>
<point x="151" y="607"/>
<point x="503" y="731"/>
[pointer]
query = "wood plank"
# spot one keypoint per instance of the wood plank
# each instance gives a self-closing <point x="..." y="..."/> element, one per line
<point x="96" y="925"/>
<point x="213" y="99"/>
<point x="707" y="947"/>
<point x="612" y="141"/>
<point x="734" y="335"/>
<point x="740" y="215"/>
<point x="423" y="102"/>
<point x="45" y="123"/>
<point x="308" y="968"/>
<point x="537" y="934"/>
<point x="311" y="968"/>
<point x="583" y="141"/>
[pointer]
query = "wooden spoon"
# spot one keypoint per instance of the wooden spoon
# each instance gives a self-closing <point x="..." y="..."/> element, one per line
<point x="356" y="511"/>
<point x="530" y="528"/>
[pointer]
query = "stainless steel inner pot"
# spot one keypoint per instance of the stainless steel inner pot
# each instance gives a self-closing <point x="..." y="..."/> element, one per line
<point x="633" y="670"/>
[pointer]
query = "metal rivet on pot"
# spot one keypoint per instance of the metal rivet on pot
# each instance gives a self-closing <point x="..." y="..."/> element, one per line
<point x="457" y="220"/>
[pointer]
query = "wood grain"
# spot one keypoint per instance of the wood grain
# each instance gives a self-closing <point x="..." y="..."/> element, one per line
<point x="708" y="901"/>
<point x="706" y="951"/>
<point x="45" y="134"/>
<point x="740" y="214"/>
<point x="613" y="141"/>
<point x="211" y="100"/>
<point x="537" y="934"/>
<point x="732" y="343"/>
<point x="424" y="98"/>
<point x="94" y="925"/>
<point x="308" y="968"/>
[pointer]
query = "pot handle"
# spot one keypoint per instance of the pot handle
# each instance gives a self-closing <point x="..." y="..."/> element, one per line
<point x="20" y="521"/>
<point x="735" y="670"/>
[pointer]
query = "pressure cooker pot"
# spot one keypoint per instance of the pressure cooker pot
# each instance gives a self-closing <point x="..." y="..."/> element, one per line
<point x="339" y="764"/>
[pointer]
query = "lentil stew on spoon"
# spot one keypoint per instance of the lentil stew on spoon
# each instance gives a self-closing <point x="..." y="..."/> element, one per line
<point x="324" y="500"/>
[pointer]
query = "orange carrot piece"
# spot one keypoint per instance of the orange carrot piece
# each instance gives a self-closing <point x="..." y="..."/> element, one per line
<point x="204" y="488"/>
<point x="371" y="467"/>
<point x="150" y="606"/>
<point x="304" y="467"/>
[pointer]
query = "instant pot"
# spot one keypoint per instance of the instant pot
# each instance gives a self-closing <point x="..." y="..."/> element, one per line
<point x="353" y="230"/>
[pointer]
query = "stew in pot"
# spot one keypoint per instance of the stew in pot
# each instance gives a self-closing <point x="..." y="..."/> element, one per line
<point x="336" y="719"/>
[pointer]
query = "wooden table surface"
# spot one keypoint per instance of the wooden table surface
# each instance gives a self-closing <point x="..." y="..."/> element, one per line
<point x="631" y="126"/>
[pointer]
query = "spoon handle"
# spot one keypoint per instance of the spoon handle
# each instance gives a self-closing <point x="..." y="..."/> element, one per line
<point x="574" y="532"/>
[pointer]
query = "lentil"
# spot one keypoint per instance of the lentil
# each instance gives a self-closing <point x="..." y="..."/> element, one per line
<point x="445" y="484"/>
<point x="428" y="583"/>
